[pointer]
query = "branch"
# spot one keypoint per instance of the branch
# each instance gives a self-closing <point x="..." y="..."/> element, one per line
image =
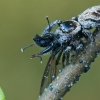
<point x="71" y="73"/>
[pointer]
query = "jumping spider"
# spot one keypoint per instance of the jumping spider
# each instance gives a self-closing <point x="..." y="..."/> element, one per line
<point x="67" y="37"/>
<point x="68" y="31"/>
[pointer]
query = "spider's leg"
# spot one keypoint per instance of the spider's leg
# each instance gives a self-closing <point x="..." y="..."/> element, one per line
<point x="58" y="58"/>
<point x="88" y="33"/>
<point x="95" y="31"/>
<point x="77" y="50"/>
<point x="68" y="49"/>
<point x="49" y="27"/>
<point x="66" y="54"/>
<point x="74" y="18"/>
<point x="65" y="57"/>
<point x="98" y="24"/>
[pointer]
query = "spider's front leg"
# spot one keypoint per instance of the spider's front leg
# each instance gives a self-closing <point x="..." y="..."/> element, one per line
<point x="50" y="26"/>
<point x="88" y="33"/>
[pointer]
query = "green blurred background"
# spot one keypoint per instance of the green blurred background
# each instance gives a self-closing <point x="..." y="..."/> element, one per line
<point x="20" y="20"/>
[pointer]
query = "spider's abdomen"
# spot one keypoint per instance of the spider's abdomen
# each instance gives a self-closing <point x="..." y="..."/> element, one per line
<point x="90" y="18"/>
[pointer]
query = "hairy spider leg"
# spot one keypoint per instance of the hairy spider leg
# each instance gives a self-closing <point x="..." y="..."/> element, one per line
<point x="67" y="54"/>
<point x="97" y="27"/>
<point x="95" y="31"/>
<point x="88" y="33"/>
<point x="65" y="57"/>
<point x="77" y="50"/>
<point x="50" y="26"/>
<point x="74" y="18"/>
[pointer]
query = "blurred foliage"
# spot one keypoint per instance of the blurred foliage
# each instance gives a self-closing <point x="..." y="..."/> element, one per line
<point x="2" y="96"/>
<point x="20" y="21"/>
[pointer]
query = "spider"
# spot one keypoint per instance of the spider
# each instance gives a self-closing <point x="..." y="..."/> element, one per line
<point x="66" y="38"/>
<point x="63" y="38"/>
<point x="60" y="43"/>
<point x="68" y="30"/>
